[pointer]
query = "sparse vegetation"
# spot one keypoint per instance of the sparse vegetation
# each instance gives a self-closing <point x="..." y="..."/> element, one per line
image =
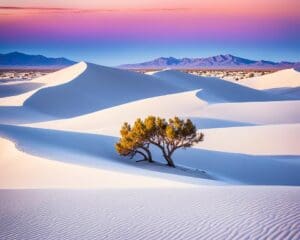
<point x="168" y="136"/>
<point x="22" y="74"/>
<point x="251" y="75"/>
<point x="232" y="75"/>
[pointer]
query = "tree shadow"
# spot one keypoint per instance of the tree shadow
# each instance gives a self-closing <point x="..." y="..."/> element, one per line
<point x="249" y="169"/>
<point x="98" y="151"/>
<point x="90" y="150"/>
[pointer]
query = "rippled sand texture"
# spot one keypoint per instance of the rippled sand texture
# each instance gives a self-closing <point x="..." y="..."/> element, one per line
<point x="202" y="213"/>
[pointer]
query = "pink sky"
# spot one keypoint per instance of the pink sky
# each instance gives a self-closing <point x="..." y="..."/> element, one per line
<point x="171" y="24"/>
<point x="228" y="7"/>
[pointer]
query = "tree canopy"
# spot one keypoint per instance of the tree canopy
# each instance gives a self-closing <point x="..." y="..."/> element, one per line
<point x="168" y="136"/>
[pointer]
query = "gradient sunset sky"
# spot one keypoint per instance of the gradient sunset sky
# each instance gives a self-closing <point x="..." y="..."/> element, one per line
<point x="115" y="32"/>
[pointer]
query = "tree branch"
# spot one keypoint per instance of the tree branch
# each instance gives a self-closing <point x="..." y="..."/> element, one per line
<point x="143" y="154"/>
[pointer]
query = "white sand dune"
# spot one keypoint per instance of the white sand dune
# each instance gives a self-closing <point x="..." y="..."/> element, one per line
<point x="85" y="88"/>
<point x="287" y="78"/>
<point x="13" y="89"/>
<point x="85" y="150"/>
<point x="98" y="151"/>
<point x="194" y="103"/>
<point x="20" y="170"/>
<point x="237" y="113"/>
<point x="109" y="120"/>
<point x="97" y="88"/>
<point x="53" y="79"/>
<point x="277" y="112"/>
<point x="272" y="140"/>
<point x="60" y="133"/>
<point x="291" y="92"/>
<point x="256" y="140"/>
<point x="12" y="109"/>
<point x="214" y="90"/>
<point x="210" y="213"/>
<point x="238" y="116"/>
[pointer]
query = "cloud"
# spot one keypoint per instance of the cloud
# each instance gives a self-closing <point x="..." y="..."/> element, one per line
<point x="80" y="10"/>
<point x="30" y="8"/>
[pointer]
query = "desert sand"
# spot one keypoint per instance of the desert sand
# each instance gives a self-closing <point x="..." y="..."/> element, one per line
<point x="287" y="78"/>
<point x="202" y="213"/>
<point x="59" y="131"/>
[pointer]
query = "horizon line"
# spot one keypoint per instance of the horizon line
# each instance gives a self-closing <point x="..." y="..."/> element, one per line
<point x="142" y="61"/>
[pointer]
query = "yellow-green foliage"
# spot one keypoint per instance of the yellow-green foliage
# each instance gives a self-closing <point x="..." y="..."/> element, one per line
<point x="166" y="135"/>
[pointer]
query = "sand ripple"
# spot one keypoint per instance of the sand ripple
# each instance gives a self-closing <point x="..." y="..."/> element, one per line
<point x="199" y="213"/>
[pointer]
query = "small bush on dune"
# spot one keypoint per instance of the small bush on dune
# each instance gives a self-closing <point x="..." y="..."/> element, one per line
<point x="250" y="75"/>
<point x="168" y="136"/>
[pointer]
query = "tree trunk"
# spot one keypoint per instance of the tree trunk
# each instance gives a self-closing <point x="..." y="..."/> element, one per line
<point x="167" y="154"/>
<point x="169" y="161"/>
<point x="149" y="155"/>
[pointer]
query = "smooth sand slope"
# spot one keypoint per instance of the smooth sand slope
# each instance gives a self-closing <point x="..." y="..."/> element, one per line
<point x="86" y="87"/>
<point x="53" y="79"/>
<point x="61" y="133"/>
<point x="288" y="78"/>
<point x="258" y="140"/>
<point x="13" y="89"/>
<point x="193" y="100"/>
<point x="97" y="151"/>
<point x="21" y="170"/>
<point x="12" y="109"/>
<point x="214" y="90"/>
<point x="96" y="88"/>
<point x="290" y="92"/>
<point x="277" y="112"/>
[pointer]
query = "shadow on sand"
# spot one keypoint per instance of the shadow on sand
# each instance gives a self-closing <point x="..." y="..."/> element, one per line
<point x="17" y="88"/>
<point x="98" y="151"/>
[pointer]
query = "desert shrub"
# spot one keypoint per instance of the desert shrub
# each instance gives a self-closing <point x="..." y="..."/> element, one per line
<point x="251" y="75"/>
<point x="168" y="136"/>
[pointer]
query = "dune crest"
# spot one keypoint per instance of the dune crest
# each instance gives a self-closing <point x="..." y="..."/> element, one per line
<point x="287" y="78"/>
<point x="56" y="78"/>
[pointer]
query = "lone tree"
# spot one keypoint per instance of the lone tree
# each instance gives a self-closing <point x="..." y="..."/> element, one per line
<point x="168" y="136"/>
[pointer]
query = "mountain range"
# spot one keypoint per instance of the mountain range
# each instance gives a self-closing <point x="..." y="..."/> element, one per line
<point x="227" y="61"/>
<point x="15" y="60"/>
<point x="21" y="60"/>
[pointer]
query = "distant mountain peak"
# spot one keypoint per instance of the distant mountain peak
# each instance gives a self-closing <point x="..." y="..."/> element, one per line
<point x="15" y="53"/>
<point x="222" y="61"/>
<point x="21" y="60"/>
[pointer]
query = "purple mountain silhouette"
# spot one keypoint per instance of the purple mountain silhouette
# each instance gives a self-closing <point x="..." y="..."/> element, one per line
<point x="21" y="60"/>
<point x="216" y="62"/>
